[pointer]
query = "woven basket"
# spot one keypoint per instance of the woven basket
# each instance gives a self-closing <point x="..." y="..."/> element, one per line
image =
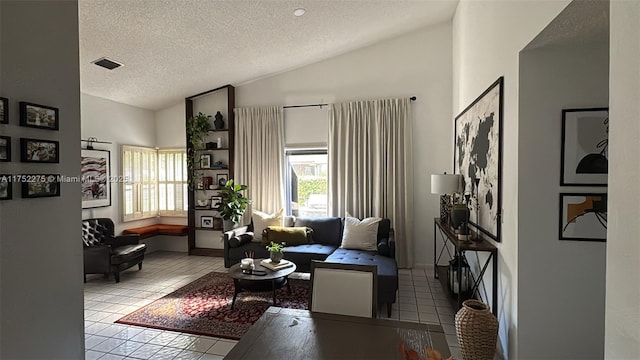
<point x="477" y="331"/>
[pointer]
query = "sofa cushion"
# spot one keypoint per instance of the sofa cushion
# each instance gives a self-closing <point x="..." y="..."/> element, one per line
<point x="360" y="234"/>
<point x="261" y="221"/>
<point x="123" y="254"/>
<point x="326" y="231"/>
<point x="289" y="235"/>
<point x="302" y="255"/>
<point x="238" y="240"/>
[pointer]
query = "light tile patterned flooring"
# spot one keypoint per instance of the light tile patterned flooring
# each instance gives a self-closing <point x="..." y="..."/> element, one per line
<point x="420" y="299"/>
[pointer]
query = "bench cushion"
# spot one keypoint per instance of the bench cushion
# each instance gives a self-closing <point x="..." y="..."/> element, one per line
<point x="158" y="229"/>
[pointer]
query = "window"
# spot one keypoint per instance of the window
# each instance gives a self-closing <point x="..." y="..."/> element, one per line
<point x="172" y="182"/>
<point x="307" y="182"/>
<point x="155" y="182"/>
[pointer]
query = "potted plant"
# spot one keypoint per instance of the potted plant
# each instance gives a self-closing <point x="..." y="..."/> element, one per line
<point x="197" y="128"/>
<point x="233" y="204"/>
<point x="276" y="251"/>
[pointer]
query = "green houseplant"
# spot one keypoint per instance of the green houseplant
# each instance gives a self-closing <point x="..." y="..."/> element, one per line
<point x="276" y="251"/>
<point x="233" y="204"/>
<point x="197" y="128"/>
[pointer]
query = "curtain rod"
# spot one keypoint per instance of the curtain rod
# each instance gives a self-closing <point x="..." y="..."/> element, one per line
<point x="413" y="98"/>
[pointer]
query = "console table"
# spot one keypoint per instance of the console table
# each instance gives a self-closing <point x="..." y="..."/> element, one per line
<point x="447" y="236"/>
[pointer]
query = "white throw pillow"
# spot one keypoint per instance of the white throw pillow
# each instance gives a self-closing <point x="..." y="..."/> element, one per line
<point x="360" y="234"/>
<point x="262" y="220"/>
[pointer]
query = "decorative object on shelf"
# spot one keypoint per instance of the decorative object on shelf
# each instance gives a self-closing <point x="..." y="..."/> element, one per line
<point x="5" y="148"/>
<point x="452" y="275"/>
<point x="211" y="145"/>
<point x="218" y="165"/>
<point x="95" y="174"/>
<point x="6" y="188"/>
<point x="39" y="151"/>
<point x="207" y="182"/>
<point x="205" y="161"/>
<point x="4" y="110"/>
<point x="197" y="127"/>
<point x="38" y="116"/>
<point x="464" y="233"/>
<point x="478" y="155"/>
<point x="40" y="185"/>
<point x="477" y="236"/>
<point x="233" y="204"/>
<point x="217" y="223"/>
<point x="585" y="143"/>
<point x="583" y="216"/>
<point x="276" y="251"/>
<point x="221" y="179"/>
<point x="446" y="185"/>
<point x="477" y="330"/>
<point x="219" y="142"/>
<point x="203" y="203"/>
<point x="218" y="122"/>
<point x="206" y="222"/>
<point x="459" y="216"/>
<point x="216" y="201"/>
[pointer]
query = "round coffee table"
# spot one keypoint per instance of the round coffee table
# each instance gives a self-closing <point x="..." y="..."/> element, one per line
<point x="271" y="281"/>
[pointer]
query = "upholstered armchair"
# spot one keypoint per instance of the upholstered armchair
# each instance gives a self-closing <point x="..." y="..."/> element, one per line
<point x="105" y="253"/>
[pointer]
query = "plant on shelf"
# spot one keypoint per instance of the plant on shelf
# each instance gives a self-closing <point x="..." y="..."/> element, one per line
<point x="233" y="204"/>
<point x="276" y="251"/>
<point x="197" y="128"/>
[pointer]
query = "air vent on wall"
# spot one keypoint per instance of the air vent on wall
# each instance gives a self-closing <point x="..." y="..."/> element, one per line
<point x="107" y="63"/>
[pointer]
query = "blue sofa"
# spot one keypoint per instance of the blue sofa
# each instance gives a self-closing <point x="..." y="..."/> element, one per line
<point x="327" y="237"/>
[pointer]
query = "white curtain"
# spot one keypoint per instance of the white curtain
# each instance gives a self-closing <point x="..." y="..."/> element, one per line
<point x="371" y="167"/>
<point x="259" y="157"/>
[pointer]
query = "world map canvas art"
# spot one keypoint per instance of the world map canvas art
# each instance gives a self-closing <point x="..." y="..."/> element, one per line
<point x="478" y="157"/>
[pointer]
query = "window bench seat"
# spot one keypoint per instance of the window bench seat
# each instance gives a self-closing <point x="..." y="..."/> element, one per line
<point x="158" y="229"/>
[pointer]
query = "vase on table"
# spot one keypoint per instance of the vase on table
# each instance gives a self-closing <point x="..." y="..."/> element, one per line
<point x="477" y="330"/>
<point x="276" y="256"/>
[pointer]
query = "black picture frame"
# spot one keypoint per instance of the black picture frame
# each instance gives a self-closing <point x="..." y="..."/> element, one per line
<point x="206" y="222"/>
<point x="40" y="185"/>
<point x="5" y="148"/>
<point x="95" y="175"/>
<point x="585" y="141"/>
<point x="39" y="151"/>
<point x="6" y="187"/>
<point x="205" y="161"/>
<point x="583" y="217"/>
<point x="215" y="201"/>
<point x="4" y="110"/>
<point x="221" y="179"/>
<point x="478" y="157"/>
<point x="39" y="116"/>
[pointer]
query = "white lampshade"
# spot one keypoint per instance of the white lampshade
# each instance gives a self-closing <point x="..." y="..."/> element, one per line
<point x="446" y="183"/>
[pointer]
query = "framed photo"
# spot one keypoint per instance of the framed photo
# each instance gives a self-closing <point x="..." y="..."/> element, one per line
<point x="40" y="185"/>
<point x="478" y="157"/>
<point x="205" y="161"/>
<point x="583" y="216"/>
<point x="221" y="179"/>
<point x="39" y="151"/>
<point x="4" y="110"/>
<point x="6" y="189"/>
<point x="5" y="148"/>
<point x="206" y="222"/>
<point x="38" y="116"/>
<point x="215" y="201"/>
<point x="585" y="144"/>
<point x="95" y="173"/>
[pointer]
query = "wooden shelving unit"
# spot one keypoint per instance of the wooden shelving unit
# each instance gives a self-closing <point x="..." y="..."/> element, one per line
<point x="192" y="108"/>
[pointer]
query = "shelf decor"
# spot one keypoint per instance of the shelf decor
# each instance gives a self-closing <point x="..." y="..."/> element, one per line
<point x="197" y="127"/>
<point x="585" y="143"/>
<point x="478" y="157"/>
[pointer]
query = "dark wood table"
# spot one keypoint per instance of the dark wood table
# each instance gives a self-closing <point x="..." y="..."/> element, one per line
<point x="300" y="334"/>
<point x="270" y="281"/>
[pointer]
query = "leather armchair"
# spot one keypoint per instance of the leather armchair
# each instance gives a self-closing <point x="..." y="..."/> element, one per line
<point x="105" y="253"/>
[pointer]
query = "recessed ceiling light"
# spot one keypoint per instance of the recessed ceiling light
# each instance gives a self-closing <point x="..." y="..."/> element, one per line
<point x="107" y="63"/>
<point x="299" y="11"/>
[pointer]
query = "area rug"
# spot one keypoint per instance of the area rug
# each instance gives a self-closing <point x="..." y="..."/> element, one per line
<point x="203" y="307"/>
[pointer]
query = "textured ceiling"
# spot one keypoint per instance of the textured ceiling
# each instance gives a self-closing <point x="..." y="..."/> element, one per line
<point x="172" y="49"/>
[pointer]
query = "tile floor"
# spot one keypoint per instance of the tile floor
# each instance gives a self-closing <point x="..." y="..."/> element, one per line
<point x="420" y="299"/>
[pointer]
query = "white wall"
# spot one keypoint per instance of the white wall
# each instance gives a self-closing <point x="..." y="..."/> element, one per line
<point x="560" y="281"/>
<point x="119" y="124"/>
<point x="415" y="64"/>
<point x="487" y="36"/>
<point x="170" y="127"/>
<point x="622" y="339"/>
<point x="41" y="296"/>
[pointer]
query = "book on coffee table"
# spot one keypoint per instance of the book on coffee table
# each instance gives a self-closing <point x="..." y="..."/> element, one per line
<point x="282" y="264"/>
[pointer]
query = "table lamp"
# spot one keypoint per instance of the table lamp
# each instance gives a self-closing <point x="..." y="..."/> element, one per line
<point x="445" y="185"/>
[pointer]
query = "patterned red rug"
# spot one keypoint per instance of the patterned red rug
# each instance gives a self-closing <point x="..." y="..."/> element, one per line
<point x="203" y="307"/>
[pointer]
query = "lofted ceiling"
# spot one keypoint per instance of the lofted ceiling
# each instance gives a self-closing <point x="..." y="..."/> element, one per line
<point x="172" y="49"/>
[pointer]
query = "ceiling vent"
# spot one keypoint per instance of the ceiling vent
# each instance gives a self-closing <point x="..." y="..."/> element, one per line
<point x="107" y="63"/>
